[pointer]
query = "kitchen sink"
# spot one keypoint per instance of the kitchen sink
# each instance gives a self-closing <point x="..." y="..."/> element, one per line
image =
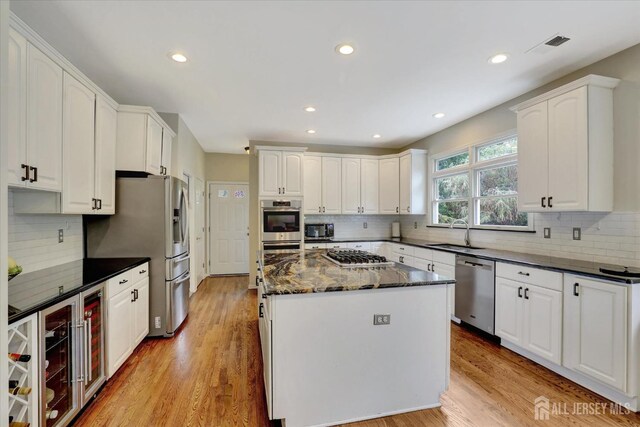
<point x="452" y="246"/>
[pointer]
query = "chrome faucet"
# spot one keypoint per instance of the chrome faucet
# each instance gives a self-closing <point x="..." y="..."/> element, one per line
<point x="467" y="239"/>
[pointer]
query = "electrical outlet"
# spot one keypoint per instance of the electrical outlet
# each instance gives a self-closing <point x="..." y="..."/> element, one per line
<point x="381" y="319"/>
<point x="415" y="225"/>
<point x="157" y="322"/>
<point x="577" y="233"/>
<point x="547" y="233"/>
<point x="60" y="235"/>
<point x="364" y="225"/>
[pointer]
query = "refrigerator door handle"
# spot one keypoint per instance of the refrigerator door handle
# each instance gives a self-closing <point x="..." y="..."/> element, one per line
<point x="183" y="279"/>
<point x="85" y="348"/>
<point x="81" y="350"/>
<point x="183" y="258"/>
<point x="89" y="372"/>
<point x="184" y="218"/>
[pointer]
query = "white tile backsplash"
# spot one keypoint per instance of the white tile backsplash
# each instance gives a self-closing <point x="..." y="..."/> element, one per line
<point x="33" y="239"/>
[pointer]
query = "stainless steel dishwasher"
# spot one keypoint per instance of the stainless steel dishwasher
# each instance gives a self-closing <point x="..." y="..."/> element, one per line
<point x="475" y="292"/>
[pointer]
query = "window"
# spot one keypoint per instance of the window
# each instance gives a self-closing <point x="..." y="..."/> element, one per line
<point x="479" y="184"/>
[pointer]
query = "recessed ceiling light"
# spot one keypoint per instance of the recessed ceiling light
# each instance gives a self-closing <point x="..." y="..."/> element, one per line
<point x="344" y="49"/>
<point x="499" y="58"/>
<point x="309" y="109"/>
<point x="178" y="57"/>
<point x="438" y="115"/>
<point x="311" y="131"/>
<point x="377" y="135"/>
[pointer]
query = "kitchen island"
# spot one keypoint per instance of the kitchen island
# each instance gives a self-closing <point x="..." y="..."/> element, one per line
<point x="344" y="344"/>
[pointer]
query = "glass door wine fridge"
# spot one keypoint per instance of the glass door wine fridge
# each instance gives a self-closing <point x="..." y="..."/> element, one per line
<point x="71" y="355"/>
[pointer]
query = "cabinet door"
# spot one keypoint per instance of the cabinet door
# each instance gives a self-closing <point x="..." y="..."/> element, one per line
<point x="595" y="330"/>
<point x="292" y="173"/>
<point x="167" y="141"/>
<point x="17" y="109"/>
<point x="119" y="324"/>
<point x="331" y="185"/>
<point x="542" y="322"/>
<point x="312" y="184"/>
<point x="568" y="151"/>
<point x="360" y="246"/>
<point x="369" y="177"/>
<point x="533" y="162"/>
<point x="44" y="120"/>
<point x="270" y="180"/>
<point x="389" y="183"/>
<point x="449" y="271"/>
<point x="105" y="146"/>
<point x="405" y="184"/>
<point x="154" y="146"/>
<point x="141" y="311"/>
<point x="509" y="310"/>
<point x="350" y="186"/>
<point x="78" y="147"/>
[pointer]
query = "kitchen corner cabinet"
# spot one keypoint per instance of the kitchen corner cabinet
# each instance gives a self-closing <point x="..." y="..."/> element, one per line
<point x="389" y="186"/>
<point x="595" y="330"/>
<point x="565" y="148"/>
<point x="359" y="186"/>
<point x="413" y="183"/>
<point x="280" y="173"/>
<point x="35" y="117"/>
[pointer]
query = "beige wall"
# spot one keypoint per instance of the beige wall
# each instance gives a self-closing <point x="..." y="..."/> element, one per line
<point x="227" y="167"/>
<point x="625" y="66"/>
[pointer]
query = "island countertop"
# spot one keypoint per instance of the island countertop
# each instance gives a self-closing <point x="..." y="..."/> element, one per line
<point x="310" y="272"/>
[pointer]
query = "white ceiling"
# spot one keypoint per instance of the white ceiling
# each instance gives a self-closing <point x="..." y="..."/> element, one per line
<point x="255" y="65"/>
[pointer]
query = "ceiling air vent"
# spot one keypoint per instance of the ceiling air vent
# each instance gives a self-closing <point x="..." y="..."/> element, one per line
<point x="557" y="41"/>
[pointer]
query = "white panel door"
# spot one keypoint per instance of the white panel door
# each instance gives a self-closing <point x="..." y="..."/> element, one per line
<point x="533" y="162"/>
<point x="105" y="156"/>
<point x="568" y="151"/>
<point x="199" y="230"/>
<point x="405" y="184"/>
<point x="44" y="120"/>
<point x="270" y="173"/>
<point x="167" y="141"/>
<point x="369" y="182"/>
<point x="78" y="147"/>
<point x="312" y="185"/>
<point x="350" y="186"/>
<point x="119" y="326"/>
<point x="17" y="109"/>
<point x="542" y="322"/>
<point x="229" y="221"/>
<point x="140" y="311"/>
<point x="509" y="301"/>
<point x="331" y="185"/>
<point x="389" y="183"/>
<point x="154" y="146"/>
<point x="292" y="173"/>
<point x="595" y="330"/>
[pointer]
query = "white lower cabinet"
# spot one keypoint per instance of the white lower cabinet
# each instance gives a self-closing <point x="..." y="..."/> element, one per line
<point x="595" y="330"/>
<point x="127" y="315"/>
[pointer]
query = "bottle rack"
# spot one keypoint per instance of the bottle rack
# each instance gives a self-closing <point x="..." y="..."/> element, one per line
<point x="23" y="339"/>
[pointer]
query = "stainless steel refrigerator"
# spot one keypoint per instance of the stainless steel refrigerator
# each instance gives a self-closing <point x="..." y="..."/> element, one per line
<point x="150" y="221"/>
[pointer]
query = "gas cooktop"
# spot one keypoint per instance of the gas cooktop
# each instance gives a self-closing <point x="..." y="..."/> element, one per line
<point x="354" y="258"/>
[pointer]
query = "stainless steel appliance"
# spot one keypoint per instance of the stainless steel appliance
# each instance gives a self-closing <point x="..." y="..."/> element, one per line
<point x="72" y="355"/>
<point x="279" y="247"/>
<point x="475" y="292"/>
<point x="318" y="231"/>
<point x="356" y="259"/>
<point x="280" y="220"/>
<point x="150" y="221"/>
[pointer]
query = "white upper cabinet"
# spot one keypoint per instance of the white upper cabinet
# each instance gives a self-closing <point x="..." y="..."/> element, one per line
<point x="565" y="148"/>
<point x="281" y="173"/>
<point x="369" y="195"/>
<point x="351" y="186"/>
<point x="78" y="147"/>
<point x="105" y="157"/>
<point x="35" y="117"/>
<point x="413" y="183"/>
<point x="140" y="137"/>
<point x="167" y="142"/>
<point x="312" y="184"/>
<point x="331" y="185"/>
<point x="389" y="186"/>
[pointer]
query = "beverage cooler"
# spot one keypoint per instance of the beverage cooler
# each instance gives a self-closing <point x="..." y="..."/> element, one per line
<point x="71" y="355"/>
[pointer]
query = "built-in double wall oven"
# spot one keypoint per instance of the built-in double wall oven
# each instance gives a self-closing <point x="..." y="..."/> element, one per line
<point x="280" y="224"/>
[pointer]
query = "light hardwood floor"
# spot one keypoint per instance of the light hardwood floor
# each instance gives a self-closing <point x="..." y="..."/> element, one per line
<point x="209" y="374"/>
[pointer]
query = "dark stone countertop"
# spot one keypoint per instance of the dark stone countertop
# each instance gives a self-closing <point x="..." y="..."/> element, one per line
<point x="38" y="290"/>
<point x="310" y="272"/>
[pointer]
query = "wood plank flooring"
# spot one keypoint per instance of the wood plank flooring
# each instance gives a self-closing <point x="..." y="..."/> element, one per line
<point x="210" y="374"/>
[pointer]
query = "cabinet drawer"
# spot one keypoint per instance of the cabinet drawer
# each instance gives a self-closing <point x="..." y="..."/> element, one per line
<point x="424" y="254"/>
<point x="140" y="272"/>
<point x="315" y="246"/>
<point x="403" y="249"/>
<point x="361" y="246"/>
<point x="120" y="283"/>
<point x="535" y="276"/>
<point x="336" y="246"/>
<point x="444" y="257"/>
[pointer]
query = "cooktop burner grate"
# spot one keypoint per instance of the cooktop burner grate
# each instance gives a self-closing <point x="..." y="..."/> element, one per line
<point x="355" y="258"/>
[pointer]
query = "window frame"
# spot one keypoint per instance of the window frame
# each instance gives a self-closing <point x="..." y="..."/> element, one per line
<point x="473" y="169"/>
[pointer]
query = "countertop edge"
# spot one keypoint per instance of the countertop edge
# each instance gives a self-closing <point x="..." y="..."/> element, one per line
<point x="269" y="292"/>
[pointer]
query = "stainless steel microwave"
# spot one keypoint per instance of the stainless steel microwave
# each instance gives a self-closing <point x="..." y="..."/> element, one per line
<point x="318" y="231"/>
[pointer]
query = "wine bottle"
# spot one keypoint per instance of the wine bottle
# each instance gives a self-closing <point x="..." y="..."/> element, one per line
<point x="16" y="357"/>
<point x="51" y="414"/>
<point x="13" y="383"/>
<point x="20" y="390"/>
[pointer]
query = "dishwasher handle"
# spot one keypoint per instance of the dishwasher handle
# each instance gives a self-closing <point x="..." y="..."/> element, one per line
<point x="474" y="262"/>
